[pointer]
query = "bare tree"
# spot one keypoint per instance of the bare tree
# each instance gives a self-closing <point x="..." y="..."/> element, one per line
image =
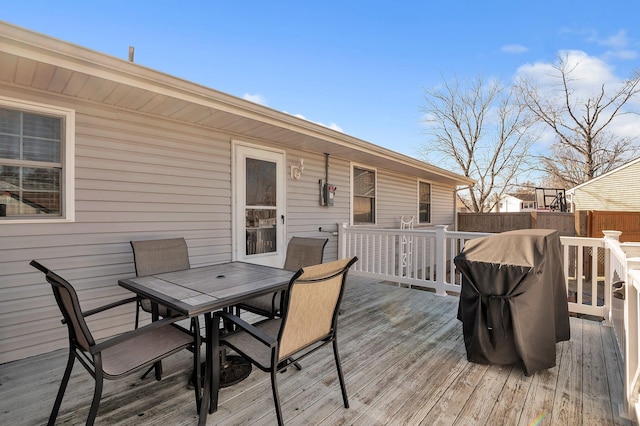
<point x="586" y="146"/>
<point x="476" y="129"/>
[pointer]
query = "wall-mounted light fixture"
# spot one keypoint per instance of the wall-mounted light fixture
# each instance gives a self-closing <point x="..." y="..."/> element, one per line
<point x="296" y="171"/>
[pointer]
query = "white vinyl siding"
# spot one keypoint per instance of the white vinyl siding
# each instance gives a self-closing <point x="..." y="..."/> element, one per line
<point x="305" y="216"/>
<point x="442" y="205"/>
<point x="398" y="196"/>
<point x="617" y="191"/>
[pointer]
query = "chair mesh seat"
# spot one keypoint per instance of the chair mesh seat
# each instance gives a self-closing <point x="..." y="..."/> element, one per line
<point x="253" y="348"/>
<point x="124" y="358"/>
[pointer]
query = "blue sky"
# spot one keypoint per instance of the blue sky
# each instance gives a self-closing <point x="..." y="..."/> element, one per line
<point x="357" y="66"/>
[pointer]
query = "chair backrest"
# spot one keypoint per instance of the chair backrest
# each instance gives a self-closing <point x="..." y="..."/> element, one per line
<point x="311" y="307"/>
<point x="160" y="256"/>
<point x="67" y="300"/>
<point x="303" y="251"/>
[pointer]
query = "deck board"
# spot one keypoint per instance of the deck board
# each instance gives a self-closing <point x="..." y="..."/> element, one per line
<point x="404" y="362"/>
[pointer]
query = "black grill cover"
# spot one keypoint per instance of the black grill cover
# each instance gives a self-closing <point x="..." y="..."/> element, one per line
<point x="513" y="301"/>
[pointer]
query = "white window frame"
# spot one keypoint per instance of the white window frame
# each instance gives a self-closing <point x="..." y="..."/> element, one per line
<point x="430" y="201"/>
<point x="352" y="189"/>
<point x="67" y="158"/>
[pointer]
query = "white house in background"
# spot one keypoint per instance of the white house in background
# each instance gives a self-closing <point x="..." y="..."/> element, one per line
<point x="110" y="151"/>
<point x="519" y="202"/>
<point x="616" y="190"/>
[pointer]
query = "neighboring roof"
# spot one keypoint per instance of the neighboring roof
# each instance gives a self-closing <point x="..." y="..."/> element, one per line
<point x="40" y="62"/>
<point x="602" y="176"/>
<point x="522" y="196"/>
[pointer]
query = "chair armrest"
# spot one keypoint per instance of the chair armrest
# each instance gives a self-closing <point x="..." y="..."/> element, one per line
<point x="249" y="328"/>
<point x="93" y="311"/>
<point x="99" y="309"/>
<point x="136" y="332"/>
<point x="39" y="266"/>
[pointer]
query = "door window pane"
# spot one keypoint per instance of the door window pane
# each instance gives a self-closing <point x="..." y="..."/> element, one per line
<point x="260" y="191"/>
<point x="260" y="231"/>
<point x="261" y="183"/>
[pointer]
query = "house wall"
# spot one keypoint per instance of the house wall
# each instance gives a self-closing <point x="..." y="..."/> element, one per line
<point x="136" y="178"/>
<point x="617" y="191"/>
<point x="510" y="204"/>
<point x="397" y="196"/>
<point x="139" y="177"/>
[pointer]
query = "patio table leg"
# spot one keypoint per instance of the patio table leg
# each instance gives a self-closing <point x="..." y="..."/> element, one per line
<point x="197" y="375"/>
<point x="205" y="401"/>
<point x="158" y="365"/>
<point x="215" y="364"/>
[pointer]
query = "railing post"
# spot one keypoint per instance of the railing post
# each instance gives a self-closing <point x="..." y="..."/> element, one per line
<point x="441" y="260"/>
<point x="609" y="237"/>
<point x="631" y="404"/>
<point x="612" y="235"/>
<point x="342" y="241"/>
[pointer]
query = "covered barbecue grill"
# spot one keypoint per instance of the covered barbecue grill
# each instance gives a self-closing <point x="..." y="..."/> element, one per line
<point x="513" y="302"/>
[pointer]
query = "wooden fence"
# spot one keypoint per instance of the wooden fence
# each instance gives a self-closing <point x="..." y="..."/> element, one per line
<point x="564" y="223"/>
<point x="589" y="224"/>
<point x="626" y="222"/>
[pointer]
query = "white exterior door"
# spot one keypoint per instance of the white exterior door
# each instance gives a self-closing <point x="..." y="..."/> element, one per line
<point x="259" y="199"/>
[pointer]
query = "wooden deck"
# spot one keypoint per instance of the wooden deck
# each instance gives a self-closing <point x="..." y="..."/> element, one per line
<point x="404" y="363"/>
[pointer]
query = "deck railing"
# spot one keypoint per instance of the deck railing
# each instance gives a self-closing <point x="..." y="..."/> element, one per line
<point x="418" y="258"/>
<point x="624" y="275"/>
<point x="423" y="258"/>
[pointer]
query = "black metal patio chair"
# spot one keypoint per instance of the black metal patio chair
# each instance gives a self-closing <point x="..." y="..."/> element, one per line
<point x="157" y="257"/>
<point x="309" y="321"/>
<point x="115" y="357"/>
<point x="301" y="252"/>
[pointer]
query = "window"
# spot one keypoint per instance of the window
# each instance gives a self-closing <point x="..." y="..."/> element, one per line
<point x="364" y="196"/>
<point x="36" y="162"/>
<point x="531" y="205"/>
<point x="424" y="202"/>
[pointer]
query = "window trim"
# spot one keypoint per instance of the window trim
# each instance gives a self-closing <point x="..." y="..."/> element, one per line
<point x="352" y="190"/>
<point x="430" y="201"/>
<point x="67" y="157"/>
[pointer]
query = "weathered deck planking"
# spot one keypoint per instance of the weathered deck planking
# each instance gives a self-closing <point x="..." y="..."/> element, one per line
<point x="404" y="362"/>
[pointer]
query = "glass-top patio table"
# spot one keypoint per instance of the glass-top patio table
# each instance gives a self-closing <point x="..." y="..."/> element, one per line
<point x="201" y="291"/>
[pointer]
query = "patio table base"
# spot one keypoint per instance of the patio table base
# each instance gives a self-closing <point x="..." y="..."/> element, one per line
<point x="233" y="370"/>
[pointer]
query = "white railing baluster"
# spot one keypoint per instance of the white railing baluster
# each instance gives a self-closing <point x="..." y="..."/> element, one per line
<point x="565" y="266"/>
<point x="594" y="273"/>
<point x="579" y="276"/>
<point x="432" y="259"/>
